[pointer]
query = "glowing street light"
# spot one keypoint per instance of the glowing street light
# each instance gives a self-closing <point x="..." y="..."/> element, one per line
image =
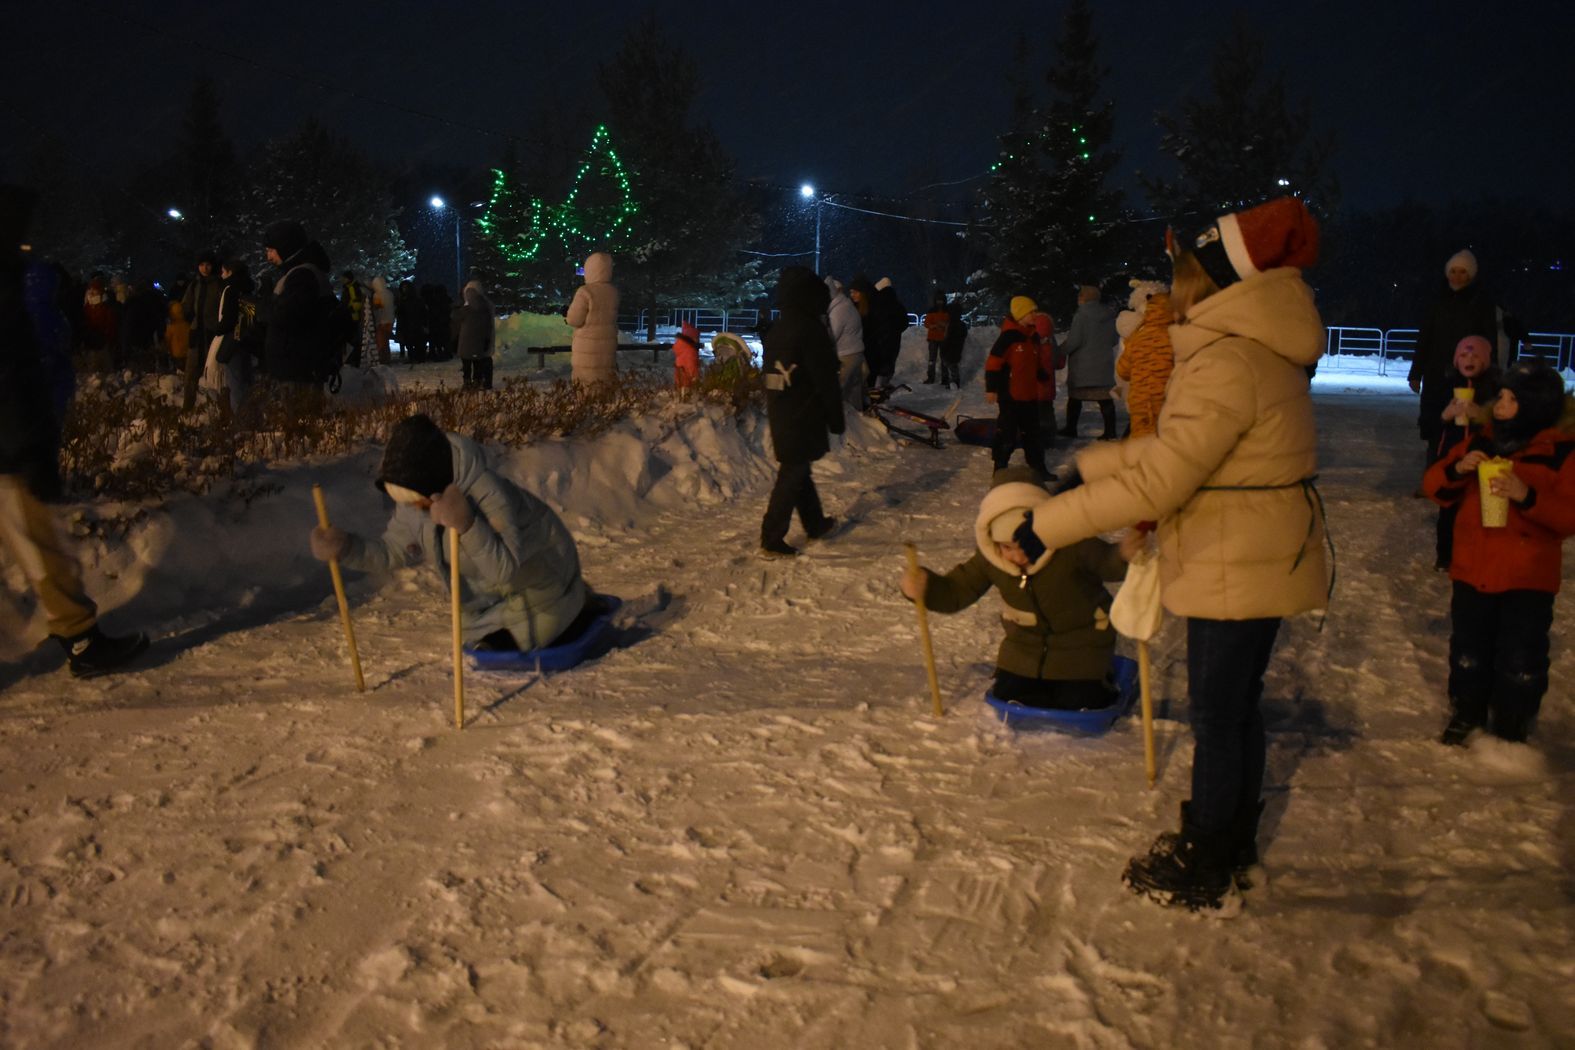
<point x="175" y="214"/>
<point x="806" y="191"/>
<point x="459" y="278"/>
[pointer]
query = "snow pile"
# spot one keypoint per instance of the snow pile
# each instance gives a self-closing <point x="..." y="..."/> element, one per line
<point x="742" y="828"/>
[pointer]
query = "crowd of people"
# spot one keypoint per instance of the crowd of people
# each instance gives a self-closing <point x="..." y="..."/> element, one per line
<point x="1217" y="479"/>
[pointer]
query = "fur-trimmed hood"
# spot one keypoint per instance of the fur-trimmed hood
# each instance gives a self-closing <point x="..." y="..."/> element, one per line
<point x="1015" y="488"/>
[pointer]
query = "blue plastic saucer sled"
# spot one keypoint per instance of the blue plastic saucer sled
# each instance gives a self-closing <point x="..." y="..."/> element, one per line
<point x="1090" y="722"/>
<point x="560" y="657"/>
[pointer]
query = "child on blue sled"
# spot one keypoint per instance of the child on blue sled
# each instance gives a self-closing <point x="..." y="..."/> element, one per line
<point x="1059" y="643"/>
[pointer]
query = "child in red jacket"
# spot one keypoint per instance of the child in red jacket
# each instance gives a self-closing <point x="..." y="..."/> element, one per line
<point x="1016" y="374"/>
<point x="1505" y="577"/>
<point x="686" y="356"/>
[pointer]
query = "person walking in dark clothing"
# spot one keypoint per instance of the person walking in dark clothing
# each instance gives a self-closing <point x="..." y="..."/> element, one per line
<point x="410" y="323"/>
<point x="200" y="304"/>
<point x="803" y="406"/>
<point x="1465" y="308"/>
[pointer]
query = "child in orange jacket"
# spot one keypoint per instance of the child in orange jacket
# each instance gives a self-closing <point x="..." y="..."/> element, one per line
<point x="936" y="323"/>
<point x="686" y="356"/>
<point x="1017" y="373"/>
<point x="1505" y="576"/>
<point x="177" y="333"/>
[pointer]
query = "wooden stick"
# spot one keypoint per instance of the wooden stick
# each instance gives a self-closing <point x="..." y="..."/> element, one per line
<point x="1148" y="713"/>
<point x="459" y="649"/>
<point x="339" y="592"/>
<point x="924" y="635"/>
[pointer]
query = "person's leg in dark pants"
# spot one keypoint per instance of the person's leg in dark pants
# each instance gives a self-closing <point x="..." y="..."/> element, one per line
<point x="935" y="354"/>
<point x="785" y="498"/>
<point x="1074" y="408"/>
<point x="1226" y="661"/>
<point x="1107" y="409"/>
<point x="1473" y="631"/>
<point x="1005" y="432"/>
<point x="1032" y="437"/>
<point x="484" y="373"/>
<point x="807" y="503"/>
<point x="1520" y="663"/>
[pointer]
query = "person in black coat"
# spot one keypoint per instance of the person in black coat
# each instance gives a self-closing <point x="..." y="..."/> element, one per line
<point x="30" y="469"/>
<point x="803" y="406"/>
<point x="410" y="323"/>
<point x="883" y="329"/>
<point x="299" y="348"/>
<point x="1465" y="309"/>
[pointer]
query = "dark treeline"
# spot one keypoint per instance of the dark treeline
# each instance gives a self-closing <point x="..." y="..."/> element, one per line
<point x="636" y="173"/>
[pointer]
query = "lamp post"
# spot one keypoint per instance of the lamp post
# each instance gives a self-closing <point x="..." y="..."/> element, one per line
<point x="808" y="192"/>
<point x="459" y="278"/>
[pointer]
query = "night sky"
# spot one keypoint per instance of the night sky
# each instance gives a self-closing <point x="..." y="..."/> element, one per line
<point x="1428" y="100"/>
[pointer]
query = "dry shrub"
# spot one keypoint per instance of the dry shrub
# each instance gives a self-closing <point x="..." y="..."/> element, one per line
<point x="125" y="439"/>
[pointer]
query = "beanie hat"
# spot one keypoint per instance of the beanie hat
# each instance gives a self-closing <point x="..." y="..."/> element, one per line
<point x="1281" y="232"/>
<point x="1474" y="346"/>
<point x="1465" y="259"/>
<point x="1022" y="306"/>
<point x="285" y="237"/>
<point x="1540" y="393"/>
<point x="884" y="282"/>
<point x="1005" y="525"/>
<point x="418" y="457"/>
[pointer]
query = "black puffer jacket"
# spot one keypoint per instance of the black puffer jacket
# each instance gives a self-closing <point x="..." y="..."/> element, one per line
<point x="803" y="396"/>
<point x="300" y="340"/>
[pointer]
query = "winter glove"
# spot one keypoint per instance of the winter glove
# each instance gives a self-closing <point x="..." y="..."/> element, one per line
<point x="1071" y="481"/>
<point x="1026" y="539"/>
<point x="329" y="544"/>
<point x="452" y="511"/>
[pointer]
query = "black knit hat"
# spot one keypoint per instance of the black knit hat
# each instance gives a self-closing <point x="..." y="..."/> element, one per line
<point x="1539" y="390"/>
<point x="418" y="457"/>
<point x="285" y="237"/>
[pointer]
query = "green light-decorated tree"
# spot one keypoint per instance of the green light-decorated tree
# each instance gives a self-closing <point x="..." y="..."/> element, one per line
<point x="1048" y="213"/>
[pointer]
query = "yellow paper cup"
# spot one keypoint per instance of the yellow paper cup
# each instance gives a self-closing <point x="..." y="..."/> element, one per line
<point x="1469" y="396"/>
<point x="1495" y="509"/>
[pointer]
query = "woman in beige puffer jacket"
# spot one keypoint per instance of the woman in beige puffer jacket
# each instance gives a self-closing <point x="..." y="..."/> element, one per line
<point x="1228" y="477"/>
<point x="594" y="317"/>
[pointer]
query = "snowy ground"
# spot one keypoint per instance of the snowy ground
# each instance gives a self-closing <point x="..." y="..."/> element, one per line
<point x="744" y="829"/>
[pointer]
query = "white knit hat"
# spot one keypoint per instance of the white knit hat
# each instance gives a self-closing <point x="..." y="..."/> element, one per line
<point x="1465" y="259"/>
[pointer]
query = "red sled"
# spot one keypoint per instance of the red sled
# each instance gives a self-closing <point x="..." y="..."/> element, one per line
<point x="974" y="431"/>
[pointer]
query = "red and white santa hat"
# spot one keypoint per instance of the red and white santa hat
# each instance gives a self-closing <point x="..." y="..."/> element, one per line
<point x="1280" y="232"/>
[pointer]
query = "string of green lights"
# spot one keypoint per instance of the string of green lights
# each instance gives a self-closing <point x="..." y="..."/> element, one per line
<point x="567" y="221"/>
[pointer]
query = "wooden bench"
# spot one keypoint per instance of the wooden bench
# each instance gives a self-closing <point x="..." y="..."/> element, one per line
<point x="541" y="352"/>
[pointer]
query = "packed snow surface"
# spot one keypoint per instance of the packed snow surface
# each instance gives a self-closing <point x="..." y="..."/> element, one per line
<point x="744" y="828"/>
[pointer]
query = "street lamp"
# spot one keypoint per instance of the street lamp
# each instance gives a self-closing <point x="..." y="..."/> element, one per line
<point x="175" y="214"/>
<point x="807" y="192"/>
<point x="459" y="279"/>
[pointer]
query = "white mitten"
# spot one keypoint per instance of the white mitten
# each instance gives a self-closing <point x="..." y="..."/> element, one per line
<point x="329" y="544"/>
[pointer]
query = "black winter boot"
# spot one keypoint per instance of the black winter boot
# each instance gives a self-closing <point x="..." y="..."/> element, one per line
<point x="1074" y="408"/>
<point x="1191" y="870"/>
<point x="93" y="652"/>
<point x="1245" y="870"/>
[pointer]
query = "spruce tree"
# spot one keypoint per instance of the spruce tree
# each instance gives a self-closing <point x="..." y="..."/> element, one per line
<point x="335" y="191"/>
<point x="1242" y="144"/>
<point x="681" y="246"/>
<point x="205" y="175"/>
<point x="1048" y="213"/>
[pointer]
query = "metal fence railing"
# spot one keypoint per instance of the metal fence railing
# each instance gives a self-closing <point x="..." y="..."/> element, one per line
<point x="1378" y="350"/>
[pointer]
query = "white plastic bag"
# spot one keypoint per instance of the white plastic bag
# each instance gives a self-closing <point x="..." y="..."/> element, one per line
<point x="1137" y="612"/>
<point x="213" y="378"/>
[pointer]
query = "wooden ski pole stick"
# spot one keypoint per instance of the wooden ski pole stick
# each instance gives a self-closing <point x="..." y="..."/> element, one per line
<point x="339" y="592"/>
<point x="1148" y="712"/>
<point x="459" y="650"/>
<point x="924" y="635"/>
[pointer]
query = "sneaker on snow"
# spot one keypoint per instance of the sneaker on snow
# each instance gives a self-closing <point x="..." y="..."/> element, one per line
<point x="1179" y="872"/>
<point x="93" y="652"/>
<point x="825" y="528"/>
<point x="778" y="549"/>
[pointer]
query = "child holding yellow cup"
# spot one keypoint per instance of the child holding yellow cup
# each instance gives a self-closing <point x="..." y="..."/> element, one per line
<point x="1514" y="485"/>
<point x="1475" y="380"/>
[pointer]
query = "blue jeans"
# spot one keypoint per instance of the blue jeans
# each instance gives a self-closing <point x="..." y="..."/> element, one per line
<point x="1226" y="660"/>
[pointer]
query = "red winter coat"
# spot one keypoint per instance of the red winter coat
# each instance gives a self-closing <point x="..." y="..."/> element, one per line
<point x="1044" y="327"/>
<point x="1020" y="367"/>
<point x="686" y="357"/>
<point x="935" y="324"/>
<point x="1524" y="555"/>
